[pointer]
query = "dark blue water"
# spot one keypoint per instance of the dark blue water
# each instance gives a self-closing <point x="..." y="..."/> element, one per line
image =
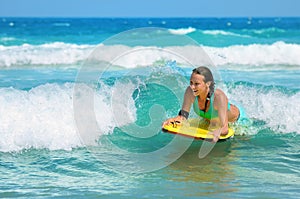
<point x="94" y="30"/>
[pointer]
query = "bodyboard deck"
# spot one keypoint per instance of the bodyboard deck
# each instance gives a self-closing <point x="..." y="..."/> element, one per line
<point x="195" y="128"/>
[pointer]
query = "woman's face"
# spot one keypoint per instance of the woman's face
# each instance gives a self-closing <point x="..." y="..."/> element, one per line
<point x="198" y="85"/>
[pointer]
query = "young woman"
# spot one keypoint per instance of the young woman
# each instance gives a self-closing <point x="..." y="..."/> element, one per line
<point x="208" y="102"/>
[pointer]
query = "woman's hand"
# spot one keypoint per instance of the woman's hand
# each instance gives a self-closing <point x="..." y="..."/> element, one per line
<point x="175" y="120"/>
<point x="217" y="133"/>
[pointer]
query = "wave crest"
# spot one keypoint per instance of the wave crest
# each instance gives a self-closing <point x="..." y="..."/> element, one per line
<point x="72" y="55"/>
<point x="57" y="53"/>
<point x="182" y="31"/>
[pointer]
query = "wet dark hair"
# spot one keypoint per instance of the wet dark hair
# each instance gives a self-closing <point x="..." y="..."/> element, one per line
<point x="208" y="77"/>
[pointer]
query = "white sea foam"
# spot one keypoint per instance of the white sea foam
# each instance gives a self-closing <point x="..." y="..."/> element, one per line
<point x="268" y="31"/>
<point x="43" y="117"/>
<point x="39" y="118"/>
<point x="47" y="54"/>
<point x="279" y="111"/>
<point x="70" y="55"/>
<point x="5" y="39"/>
<point x="256" y="54"/>
<point x="62" y="24"/>
<point x="182" y="31"/>
<point x="222" y="32"/>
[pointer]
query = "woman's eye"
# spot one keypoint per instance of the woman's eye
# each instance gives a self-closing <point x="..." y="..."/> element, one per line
<point x="195" y="84"/>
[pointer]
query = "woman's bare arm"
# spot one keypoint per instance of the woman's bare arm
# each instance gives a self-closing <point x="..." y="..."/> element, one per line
<point x="221" y="105"/>
<point x="186" y="106"/>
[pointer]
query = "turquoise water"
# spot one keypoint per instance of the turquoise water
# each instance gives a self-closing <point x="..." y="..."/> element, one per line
<point x="82" y="120"/>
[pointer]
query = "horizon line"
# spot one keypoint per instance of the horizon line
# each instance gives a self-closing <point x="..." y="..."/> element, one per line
<point x="152" y="17"/>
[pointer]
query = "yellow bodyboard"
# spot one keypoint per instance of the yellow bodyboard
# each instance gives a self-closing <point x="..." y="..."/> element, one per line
<point x="196" y="129"/>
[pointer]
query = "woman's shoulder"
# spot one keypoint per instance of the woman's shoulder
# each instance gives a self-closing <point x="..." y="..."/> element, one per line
<point x="219" y="95"/>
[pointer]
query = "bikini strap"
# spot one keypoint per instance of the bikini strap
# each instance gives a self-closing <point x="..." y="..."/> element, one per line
<point x="204" y="106"/>
<point x="206" y="102"/>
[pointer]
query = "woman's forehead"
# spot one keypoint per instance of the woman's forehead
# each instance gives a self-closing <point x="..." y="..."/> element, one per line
<point x="197" y="77"/>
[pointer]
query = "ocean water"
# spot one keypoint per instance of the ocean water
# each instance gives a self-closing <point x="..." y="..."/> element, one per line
<point x="82" y="101"/>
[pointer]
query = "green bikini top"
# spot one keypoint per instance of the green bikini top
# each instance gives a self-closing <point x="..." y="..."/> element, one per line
<point x="211" y="112"/>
